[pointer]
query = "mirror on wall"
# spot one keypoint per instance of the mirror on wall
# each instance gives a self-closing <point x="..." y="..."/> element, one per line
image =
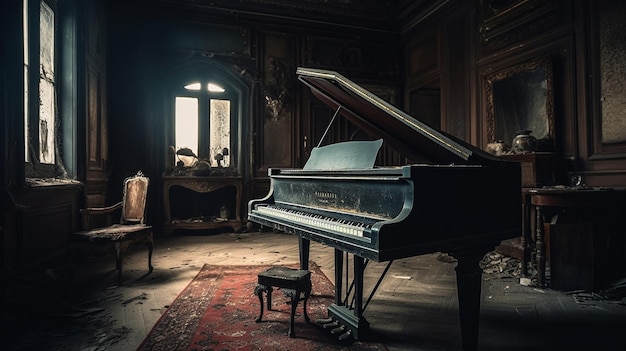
<point x="520" y="98"/>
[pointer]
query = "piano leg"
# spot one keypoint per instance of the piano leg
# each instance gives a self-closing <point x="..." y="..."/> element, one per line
<point x="338" y="277"/>
<point x="304" y="246"/>
<point x="469" y="284"/>
<point x="359" y="268"/>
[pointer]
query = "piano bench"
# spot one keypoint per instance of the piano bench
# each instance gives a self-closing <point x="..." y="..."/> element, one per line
<point x="292" y="282"/>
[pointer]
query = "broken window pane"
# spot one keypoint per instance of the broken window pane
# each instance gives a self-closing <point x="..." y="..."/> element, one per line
<point x="47" y="96"/>
<point x="220" y="131"/>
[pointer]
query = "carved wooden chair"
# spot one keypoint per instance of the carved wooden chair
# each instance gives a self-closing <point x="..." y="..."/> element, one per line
<point x="130" y="230"/>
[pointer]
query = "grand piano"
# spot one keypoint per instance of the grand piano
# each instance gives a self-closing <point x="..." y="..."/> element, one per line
<point x="453" y="198"/>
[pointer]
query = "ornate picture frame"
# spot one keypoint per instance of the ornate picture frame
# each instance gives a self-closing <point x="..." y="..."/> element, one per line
<point x="521" y="97"/>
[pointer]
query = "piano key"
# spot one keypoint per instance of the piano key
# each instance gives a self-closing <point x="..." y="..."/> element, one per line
<point x="315" y="220"/>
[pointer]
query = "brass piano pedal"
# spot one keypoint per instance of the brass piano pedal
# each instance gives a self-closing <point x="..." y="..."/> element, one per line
<point x="339" y="329"/>
<point x="345" y="336"/>
<point x="325" y="321"/>
<point x="331" y="325"/>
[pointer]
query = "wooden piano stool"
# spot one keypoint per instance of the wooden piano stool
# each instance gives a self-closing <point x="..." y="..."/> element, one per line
<point x="292" y="282"/>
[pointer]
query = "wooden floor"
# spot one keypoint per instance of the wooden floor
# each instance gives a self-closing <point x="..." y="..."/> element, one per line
<point x="415" y="308"/>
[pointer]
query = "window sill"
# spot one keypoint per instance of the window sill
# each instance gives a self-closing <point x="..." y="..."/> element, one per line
<point x="50" y="182"/>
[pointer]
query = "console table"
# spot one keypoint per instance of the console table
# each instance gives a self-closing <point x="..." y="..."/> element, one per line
<point x="537" y="170"/>
<point x="220" y="208"/>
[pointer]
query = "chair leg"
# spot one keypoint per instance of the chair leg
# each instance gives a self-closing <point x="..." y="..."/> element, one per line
<point x="258" y="290"/>
<point x="120" y="248"/>
<point x="118" y="262"/>
<point x="150" y="248"/>
<point x="295" y="297"/>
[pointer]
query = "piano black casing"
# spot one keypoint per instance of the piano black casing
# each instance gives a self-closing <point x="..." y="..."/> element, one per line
<point x="456" y="195"/>
<point x="428" y="208"/>
<point x="453" y="198"/>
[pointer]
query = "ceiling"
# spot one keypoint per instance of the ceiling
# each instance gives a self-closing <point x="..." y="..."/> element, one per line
<point x="377" y="15"/>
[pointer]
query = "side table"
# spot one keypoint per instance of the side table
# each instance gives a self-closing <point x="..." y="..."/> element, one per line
<point x="584" y="200"/>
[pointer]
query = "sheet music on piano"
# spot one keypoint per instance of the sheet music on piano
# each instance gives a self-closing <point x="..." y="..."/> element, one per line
<point x="340" y="199"/>
<point x="345" y="155"/>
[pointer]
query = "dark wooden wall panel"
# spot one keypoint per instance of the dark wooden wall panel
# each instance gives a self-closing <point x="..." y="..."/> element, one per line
<point x="278" y="94"/>
<point x="96" y="126"/>
<point x="47" y="215"/>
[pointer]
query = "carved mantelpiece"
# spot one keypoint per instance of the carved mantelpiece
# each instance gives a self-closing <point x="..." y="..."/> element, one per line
<point x="219" y="194"/>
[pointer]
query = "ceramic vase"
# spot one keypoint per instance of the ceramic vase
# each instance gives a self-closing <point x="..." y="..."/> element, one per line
<point x="524" y="142"/>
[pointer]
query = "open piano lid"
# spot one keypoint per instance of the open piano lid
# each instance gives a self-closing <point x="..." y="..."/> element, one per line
<point x="378" y="118"/>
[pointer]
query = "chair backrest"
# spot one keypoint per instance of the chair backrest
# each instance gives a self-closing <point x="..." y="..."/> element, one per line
<point x="134" y="200"/>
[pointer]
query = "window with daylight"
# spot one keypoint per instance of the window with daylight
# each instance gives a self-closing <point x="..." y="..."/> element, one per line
<point x="203" y="122"/>
<point x="43" y="68"/>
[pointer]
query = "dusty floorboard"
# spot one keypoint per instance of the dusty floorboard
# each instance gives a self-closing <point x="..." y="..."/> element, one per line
<point x="415" y="307"/>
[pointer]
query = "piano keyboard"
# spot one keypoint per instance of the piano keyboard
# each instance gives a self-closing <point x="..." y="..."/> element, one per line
<point x="314" y="220"/>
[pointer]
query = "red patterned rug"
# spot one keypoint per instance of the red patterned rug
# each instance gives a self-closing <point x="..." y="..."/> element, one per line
<point x="218" y="309"/>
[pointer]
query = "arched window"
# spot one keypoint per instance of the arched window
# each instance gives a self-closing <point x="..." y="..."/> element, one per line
<point x="205" y="122"/>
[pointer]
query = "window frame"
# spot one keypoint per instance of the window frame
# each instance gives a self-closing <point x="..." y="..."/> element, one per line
<point x="65" y="87"/>
<point x="204" y="111"/>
